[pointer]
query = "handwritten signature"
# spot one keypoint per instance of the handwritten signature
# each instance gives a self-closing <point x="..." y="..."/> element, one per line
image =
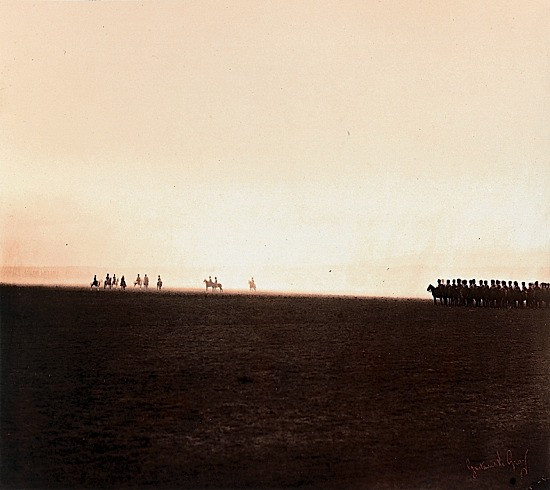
<point x="498" y="462"/>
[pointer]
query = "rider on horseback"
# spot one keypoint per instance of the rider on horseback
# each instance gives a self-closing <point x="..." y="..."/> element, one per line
<point x="95" y="282"/>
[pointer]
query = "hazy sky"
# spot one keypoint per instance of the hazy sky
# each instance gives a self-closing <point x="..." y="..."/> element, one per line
<point x="347" y="146"/>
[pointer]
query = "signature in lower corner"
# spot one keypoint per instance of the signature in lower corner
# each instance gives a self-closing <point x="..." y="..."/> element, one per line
<point x="517" y="464"/>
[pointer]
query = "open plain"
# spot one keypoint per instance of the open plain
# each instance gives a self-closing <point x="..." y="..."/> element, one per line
<point x="103" y="389"/>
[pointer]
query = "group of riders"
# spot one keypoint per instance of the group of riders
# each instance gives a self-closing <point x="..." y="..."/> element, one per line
<point x="497" y="294"/>
<point x="214" y="284"/>
<point x="113" y="282"/>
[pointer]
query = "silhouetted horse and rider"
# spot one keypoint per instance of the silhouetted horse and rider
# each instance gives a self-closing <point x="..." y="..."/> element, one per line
<point x="213" y="285"/>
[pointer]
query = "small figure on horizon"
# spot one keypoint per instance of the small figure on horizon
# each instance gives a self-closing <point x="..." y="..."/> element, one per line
<point x="107" y="282"/>
<point x="145" y="281"/>
<point x="137" y="282"/>
<point x="115" y="281"/>
<point x="159" y="283"/>
<point x="252" y="284"/>
<point x="123" y="283"/>
<point x="95" y="282"/>
<point x="213" y="284"/>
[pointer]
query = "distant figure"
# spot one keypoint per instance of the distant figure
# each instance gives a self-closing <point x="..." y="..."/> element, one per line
<point x="95" y="282"/>
<point x="159" y="284"/>
<point x="115" y="281"/>
<point x="252" y="284"/>
<point x="107" y="282"/>
<point x="137" y="282"/>
<point x="436" y="293"/>
<point x="146" y="281"/>
<point x="441" y="289"/>
<point x="123" y="283"/>
<point x="213" y="285"/>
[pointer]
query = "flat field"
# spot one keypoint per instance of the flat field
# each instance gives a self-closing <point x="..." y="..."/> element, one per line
<point x="103" y="389"/>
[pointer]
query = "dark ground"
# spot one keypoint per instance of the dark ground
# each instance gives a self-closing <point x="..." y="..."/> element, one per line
<point x="112" y="389"/>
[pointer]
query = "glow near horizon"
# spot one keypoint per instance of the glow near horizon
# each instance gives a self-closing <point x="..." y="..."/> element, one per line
<point x="328" y="147"/>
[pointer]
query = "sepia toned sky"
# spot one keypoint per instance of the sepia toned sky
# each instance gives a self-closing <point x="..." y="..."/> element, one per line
<point x="364" y="147"/>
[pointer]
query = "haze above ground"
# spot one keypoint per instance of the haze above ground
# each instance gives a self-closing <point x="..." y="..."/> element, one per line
<point x="328" y="147"/>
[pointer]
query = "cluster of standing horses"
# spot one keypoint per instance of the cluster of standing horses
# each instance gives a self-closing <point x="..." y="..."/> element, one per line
<point x="497" y="294"/>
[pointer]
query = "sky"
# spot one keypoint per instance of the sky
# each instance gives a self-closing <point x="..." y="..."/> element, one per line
<point x="347" y="147"/>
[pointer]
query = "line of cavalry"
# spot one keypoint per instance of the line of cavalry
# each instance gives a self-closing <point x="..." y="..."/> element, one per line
<point x="498" y="294"/>
<point x="113" y="282"/>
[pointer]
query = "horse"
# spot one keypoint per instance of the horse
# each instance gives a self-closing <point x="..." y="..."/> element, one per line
<point x="515" y="297"/>
<point x="436" y="293"/>
<point x="107" y="282"/>
<point x="467" y="294"/>
<point x="454" y="295"/>
<point x="159" y="284"/>
<point x="137" y="282"/>
<point x="95" y="284"/>
<point x="252" y="285"/>
<point x="213" y="285"/>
